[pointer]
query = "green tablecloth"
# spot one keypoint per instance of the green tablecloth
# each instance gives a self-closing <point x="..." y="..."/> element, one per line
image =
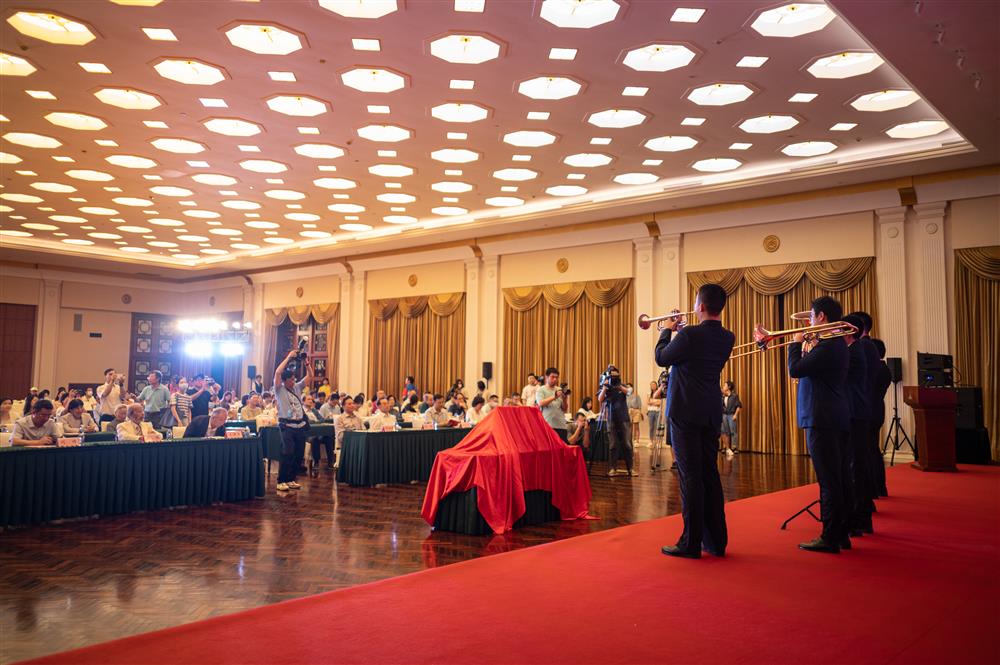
<point x="44" y="484"/>
<point x="375" y="458"/>
<point x="270" y="438"/>
<point x="459" y="512"/>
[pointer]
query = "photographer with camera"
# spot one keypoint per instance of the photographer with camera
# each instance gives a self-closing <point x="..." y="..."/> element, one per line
<point x="292" y="419"/>
<point x="614" y="419"/>
<point x="111" y="394"/>
<point x="552" y="401"/>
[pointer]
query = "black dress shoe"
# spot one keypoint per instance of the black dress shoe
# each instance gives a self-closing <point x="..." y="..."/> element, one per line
<point x="867" y="529"/>
<point x="856" y="533"/>
<point x="673" y="550"/>
<point x="819" y="545"/>
<point x="845" y="543"/>
<point x="713" y="552"/>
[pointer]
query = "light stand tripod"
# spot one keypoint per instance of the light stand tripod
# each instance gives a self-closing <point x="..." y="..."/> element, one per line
<point x="659" y="440"/>
<point x="807" y="509"/>
<point x="896" y="429"/>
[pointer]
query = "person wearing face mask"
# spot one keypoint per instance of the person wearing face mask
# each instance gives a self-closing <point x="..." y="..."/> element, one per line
<point x="180" y="404"/>
<point x="89" y="401"/>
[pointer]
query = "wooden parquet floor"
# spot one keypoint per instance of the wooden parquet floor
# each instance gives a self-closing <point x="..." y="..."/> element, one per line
<point x="77" y="583"/>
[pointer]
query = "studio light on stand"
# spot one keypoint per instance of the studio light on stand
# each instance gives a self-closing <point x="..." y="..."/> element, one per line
<point x="207" y="337"/>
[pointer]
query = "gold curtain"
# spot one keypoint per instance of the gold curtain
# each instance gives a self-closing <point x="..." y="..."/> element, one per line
<point x="299" y="314"/>
<point x="328" y="313"/>
<point x="578" y="327"/>
<point x="977" y="333"/>
<point x="422" y="336"/>
<point x="769" y="295"/>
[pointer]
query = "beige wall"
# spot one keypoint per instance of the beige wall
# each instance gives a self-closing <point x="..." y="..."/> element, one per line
<point x="317" y="290"/>
<point x="83" y="359"/>
<point x="19" y="290"/>
<point x="819" y="239"/>
<point x="975" y="222"/>
<point x="182" y="301"/>
<point x="588" y="263"/>
<point x="446" y="277"/>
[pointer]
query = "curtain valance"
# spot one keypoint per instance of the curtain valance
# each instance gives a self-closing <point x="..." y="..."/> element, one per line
<point x="837" y="275"/>
<point x="603" y="293"/>
<point x="983" y="261"/>
<point x="441" y="304"/>
<point x="323" y="313"/>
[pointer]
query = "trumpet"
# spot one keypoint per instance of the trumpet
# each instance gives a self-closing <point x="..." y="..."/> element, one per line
<point x="645" y="321"/>
<point x="763" y="337"/>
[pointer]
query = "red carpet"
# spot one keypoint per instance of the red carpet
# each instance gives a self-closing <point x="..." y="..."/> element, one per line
<point x="924" y="589"/>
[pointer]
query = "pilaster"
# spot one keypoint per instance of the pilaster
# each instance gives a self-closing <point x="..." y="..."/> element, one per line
<point x="670" y="268"/>
<point x="932" y="287"/>
<point x="473" y="320"/>
<point x="357" y="335"/>
<point x="645" y="340"/>
<point x="344" y="351"/>
<point x="491" y="317"/>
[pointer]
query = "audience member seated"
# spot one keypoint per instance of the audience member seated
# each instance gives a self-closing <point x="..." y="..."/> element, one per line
<point x="331" y="409"/>
<point x="363" y="408"/>
<point x="252" y="409"/>
<point x="581" y="431"/>
<point x="134" y="429"/>
<point x="117" y="418"/>
<point x="478" y="410"/>
<point x="515" y="400"/>
<point x="457" y="408"/>
<point x="6" y="417"/>
<point x="201" y="425"/>
<point x="348" y="421"/>
<point x="76" y="420"/>
<point x="37" y="428"/>
<point x="412" y="405"/>
<point x="310" y="410"/>
<point x="383" y="420"/>
<point x="437" y="414"/>
<point x="492" y="403"/>
<point x="586" y="408"/>
<point x="393" y="407"/>
<point x="427" y="403"/>
<point x="268" y="405"/>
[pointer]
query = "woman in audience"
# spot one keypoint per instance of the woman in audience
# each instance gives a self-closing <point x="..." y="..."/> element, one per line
<point x="393" y="408"/>
<point x="363" y="411"/>
<point x="76" y="420"/>
<point x="653" y="408"/>
<point x="61" y="394"/>
<point x="477" y="412"/>
<point x="634" y="403"/>
<point x="481" y="389"/>
<point x="5" y="415"/>
<point x="459" y="387"/>
<point x="180" y="404"/>
<point x="32" y="396"/>
<point x="587" y="408"/>
<point x="89" y="401"/>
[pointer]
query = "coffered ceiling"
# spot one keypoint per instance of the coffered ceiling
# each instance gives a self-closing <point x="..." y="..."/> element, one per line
<point x="216" y="134"/>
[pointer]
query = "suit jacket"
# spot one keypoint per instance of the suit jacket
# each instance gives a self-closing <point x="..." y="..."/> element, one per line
<point x="697" y="355"/>
<point x="198" y="429"/>
<point x="875" y="398"/>
<point x="858" y="389"/>
<point x="822" y="373"/>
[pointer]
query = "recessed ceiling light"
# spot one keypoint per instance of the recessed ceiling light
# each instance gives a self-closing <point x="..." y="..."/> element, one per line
<point x="51" y="28"/>
<point x="658" y="57"/>
<point x="634" y="91"/>
<point x="8" y="158"/>
<point x="752" y="61"/>
<point x="232" y="127"/>
<point x="258" y="224"/>
<point x="297" y="105"/>
<point x="319" y="150"/>
<point x="155" y="124"/>
<point x="693" y="122"/>
<point x="580" y="14"/>
<point x="278" y="240"/>
<point x="40" y="94"/>
<point x="78" y="121"/>
<point x="845" y="65"/>
<point x="451" y="187"/>
<point x="566" y="190"/>
<point x="768" y="124"/>
<point x="244" y="245"/>
<point x="453" y="172"/>
<point x="390" y="170"/>
<point x="885" y="100"/>
<point x="455" y="155"/>
<point x="393" y="185"/>
<point x="274" y="181"/>
<point x="809" y="148"/>
<point x="461" y="84"/>
<point x="716" y="165"/>
<point x="587" y="159"/>
<point x="15" y="234"/>
<point x="377" y="108"/>
<point x="75" y="241"/>
<point x="56" y="187"/>
<point x="335" y="183"/>
<point x="67" y="219"/>
<point x="384" y="133"/>
<point x="132" y="202"/>
<point x="529" y="138"/>
<point x="571" y="176"/>
<point x="793" y="20"/>
<point x="226" y="232"/>
<point x="89" y="175"/>
<point x="687" y="15"/>
<point x="617" y="118"/>
<point x="97" y="210"/>
<point x="202" y="214"/>
<point x="287" y="77"/>
<point x="368" y="79"/>
<point x="740" y="146"/>
<point x="234" y="204"/>
<point x="12" y="65"/>
<point x="160" y="34"/>
<point x="104" y="236"/>
<point x="326" y="167"/>
<point x="189" y="72"/>
<point x="470" y="5"/>
<point x="212" y="251"/>
<point x="263" y="166"/>
<point x="458" y="112"/>
<point x="720" y="94"/>
<point x="562" y="54"/>
<point x="32" y="140"/>
<point x="21" y="198"/>
<point x="803" y="97"/>
<point x="216" y="179"/>
<point x="171" y="191"/>
<point x="284" y="194"/>
<point x="456" y="136"/>
<point x="515" y="175"/>
<point x="263" y="39"/>
<point x="843" y="126"/>
<point x="107" y="143"/>
<point x="179" y="146"/>
<point x="671" y="143"/>
<point x="600" y="140"/>
<point x="40" y="227"/>
<point x="360" y="8"/>
<point x="134" y="229"/>
<point x="197" y="164"/>
<point x="465" y="49"/>
<point x="366" y="45"/>
<point x="127" y="98"/>
<point x="449" y="211"/>
<point x="917" y="129"/>
<point x="248" y="148"/>
<point x="396" y="197"/>
<point x="538" y="115"/>
<point x="346" y="208"/>
<point x="315" y="234"/>
<point x="355" y="227"/>
<point x="504" y="201"/>
<point x="636" y="178"/>
<point x="213" y="102"/>
<point x="549" y="87"/>
<point x="399" y="219"/>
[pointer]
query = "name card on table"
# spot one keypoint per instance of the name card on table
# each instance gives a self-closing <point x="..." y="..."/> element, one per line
<point x="237" y="432"/>
<point x="428" y="426"/>
<point x="388" y="429"/>
<point x="177" y="432"/>
<point x="68" y="441"/>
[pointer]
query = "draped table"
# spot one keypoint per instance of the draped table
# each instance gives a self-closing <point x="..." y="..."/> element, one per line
<point x="44" y="484"/>
<point x="379" y="458"/>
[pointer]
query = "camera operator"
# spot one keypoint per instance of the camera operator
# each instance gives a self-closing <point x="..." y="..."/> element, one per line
<point x="615" y="419"/>
<point x="291" y="418"/>
<point x="111" y="394"/>
<point x="552" y="401"/>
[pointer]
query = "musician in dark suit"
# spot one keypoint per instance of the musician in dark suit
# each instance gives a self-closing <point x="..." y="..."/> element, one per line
<point x="821" y="367"/>
<point x="857" y="458"/>
<point x="877" y="406"/>
<point x="697" y="355"/>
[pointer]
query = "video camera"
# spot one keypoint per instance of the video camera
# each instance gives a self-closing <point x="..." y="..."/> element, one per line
<point x="611" y="378"/>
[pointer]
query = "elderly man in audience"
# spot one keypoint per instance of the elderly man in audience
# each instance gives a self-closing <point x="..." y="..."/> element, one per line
<point x="331" y="409"/>
<point x="75" y="420"/>
<point x="427" y="403"/>
<point x="110" y="394"/>
<point x="383" y="420"/>
<point x="210" y="425"/>
<point x="117" y="418"/>
<point x="132" y="429"/>
<point x="155" y="398"/>
<point x="437" y="414"/>
<point x="37" y="428"/>
<point x="348" y="421"/>
<point x="252" y="409"/>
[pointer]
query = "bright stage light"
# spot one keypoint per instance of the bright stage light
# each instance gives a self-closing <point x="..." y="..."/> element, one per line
<point x="231" y="349"/>
<point x="198" y="348"/>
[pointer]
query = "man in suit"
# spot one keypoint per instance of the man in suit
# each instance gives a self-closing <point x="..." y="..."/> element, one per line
<point x="212" y="425"/>
<point x="822" y="406"/>
<point x="876" y="406"/>
<point x="697" y="355"/>
<point x="857" y="458"/>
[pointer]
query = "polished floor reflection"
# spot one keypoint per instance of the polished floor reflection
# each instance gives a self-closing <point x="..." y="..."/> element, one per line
<point x="73" y="584"/>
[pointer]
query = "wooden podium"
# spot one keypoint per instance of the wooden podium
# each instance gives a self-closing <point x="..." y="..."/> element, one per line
<point x="934" y="411"/>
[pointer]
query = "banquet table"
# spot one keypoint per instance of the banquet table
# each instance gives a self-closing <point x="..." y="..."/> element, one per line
<point x="381" y="458"/>
<point x="42" y="484"/>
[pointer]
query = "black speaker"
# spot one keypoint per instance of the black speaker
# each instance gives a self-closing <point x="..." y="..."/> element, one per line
<point x="251" y="371"/>
<point x="895" y="369"/>
<point x="488" y="371"/>
<point x="969" y="414"/>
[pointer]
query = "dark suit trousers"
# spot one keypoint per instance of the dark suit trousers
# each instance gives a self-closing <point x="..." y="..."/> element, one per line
<point x="318" y="443"/>
<point x="827" y="448"/>
<point x="702" y="504"/>
<point x="860" y="474"/>
<point x="293" y="444"/>
<point x="877" y="471"/>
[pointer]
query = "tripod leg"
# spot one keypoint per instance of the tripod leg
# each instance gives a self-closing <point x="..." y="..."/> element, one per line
<point x="784" y="524"/>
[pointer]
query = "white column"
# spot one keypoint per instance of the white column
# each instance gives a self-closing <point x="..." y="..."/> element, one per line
<point x="645" y="340"/>
<point x="932" y="287"/>
<point x="344" y="352"/>
<point x="670" y="269"/>
<point x="473" y="317"/>
<point x="358" y="334"/>
<point x="248" y="355"/>
<point x="47" y="335"/>
<point x="490" y="322"/>
<point x="256" y="318"/>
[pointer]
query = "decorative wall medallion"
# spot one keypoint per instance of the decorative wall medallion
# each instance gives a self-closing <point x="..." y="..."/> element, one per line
<point x="299" y="291"/>
<point x="144" y="326"/>
<point x="771" y="244"/>
<point x="562" y="265"/>
<point x="892" y="232"/>
<point x="931" y="228"/>
<point x="412" y="280"/>
<point x="126" y="298"/>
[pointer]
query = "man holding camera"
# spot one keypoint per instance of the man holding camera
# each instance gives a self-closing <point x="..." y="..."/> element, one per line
<point x="552" y="401"/>
<point x="110" y="395"/>
<point x="613" y="401"/>
<point x="697" y="355"/>
<point x="291" y="418"/>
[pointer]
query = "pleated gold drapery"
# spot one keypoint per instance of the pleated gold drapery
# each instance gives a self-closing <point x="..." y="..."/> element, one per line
<point x="328" y="313"/>
<point x="300" y="314"/>
<point x="977" y="331"/>
<point x="423" y="336"/>
<point x="769" y="295"/>
<point x="577" y="327"/>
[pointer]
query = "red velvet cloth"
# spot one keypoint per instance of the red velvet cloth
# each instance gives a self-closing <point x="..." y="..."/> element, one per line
<point x="510" y="452"/>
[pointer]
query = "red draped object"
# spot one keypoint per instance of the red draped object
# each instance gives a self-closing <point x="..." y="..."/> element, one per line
<point x="510" y="452"/>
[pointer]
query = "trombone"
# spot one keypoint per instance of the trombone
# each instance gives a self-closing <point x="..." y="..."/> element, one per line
<point x="645" y="321"/>
<point x="763" y="337"/>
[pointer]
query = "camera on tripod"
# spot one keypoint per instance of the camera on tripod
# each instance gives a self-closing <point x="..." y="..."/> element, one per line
<point x="611" y="378"/>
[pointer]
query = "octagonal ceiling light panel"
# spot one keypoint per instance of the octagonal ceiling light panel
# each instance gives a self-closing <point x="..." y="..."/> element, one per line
<point x="32" y="140"/>
<point x="232" y="127"/>
<point x="319" y="150"/>
<point x="360" y="8"/>
<point x="529" y="138"/>
<point x="452" y="187"/>
<point x="346" y="208"/>
<point x="455" y="155"/>
<point x="52" y="28"/>
<point x="396" y="197"/>
<point x="399" y="219"/>
<point x="132" y="202"/>
<point x="260" y="224"/>
<point x="189" y="72"/>
<point x="263" y="166"/>
<point x="515" y="175"/>
<point x="617" y="118"/>
<point x="768" y="124"/>
<point x="21" y="198"/>
<point x="917" y="129"/>
<point x="720" y="94"/>
<point x="128" y="98"/>
<point x="372" y="79"/>
<point x="178" y="146"/>
<point x="239" y="204"/>
<point x="793" y="19"/>
<point x="264" y="39"/>
<point x="580" y="14"/>
<point x="885" y="100"/>
<point x="549" y="87"/>
<point x="8" y="158"/>
<point x="214" y="179"/>
<point x="636" y="178"/>
<point x="130" y="161"/>
<point x="671" y="143"/>
<point x="12" y="65"/>
<point x="301" y="106"/>
<point x="465" y="49"/>
<point x="716" y="164"/>
<point x="809" y="148"/>
<point x="587" y="160"/>
<point x="54" y="187"/>
<point x="658" y="57"/>
<point x="335" y="183"/>
<point x="390" y="170"/>
<point x="460" y="112"/>
<point x="384" y="133"/>
<point x="79" y="121"/>
<point x="504" y="201"/>
<point x="845" y="65"/>
<point x="566" y="190"/>
<point x="166" y="190"/>
<point x="89" y="175"/>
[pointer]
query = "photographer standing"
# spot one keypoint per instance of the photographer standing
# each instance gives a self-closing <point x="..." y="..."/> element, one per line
<point x="552" y="402"/>
<point x="613" y="402"/>
<point x="291" y="420"/>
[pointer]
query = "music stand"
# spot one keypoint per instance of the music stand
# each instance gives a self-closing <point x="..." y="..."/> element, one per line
<point x="896" y="429"/>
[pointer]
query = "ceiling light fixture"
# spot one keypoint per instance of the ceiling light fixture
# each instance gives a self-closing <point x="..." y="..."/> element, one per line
<point x="360" y="8"/>
<point x="885" y="100"/>
<point x="384" y="133"/>
<point x="51" y="28"/>
<point x="809" y="148"/>
<point x="127" y="98"/>
<point x="319" y="150"/>
<point x="671" y="143"/>
<point x="297" y="105"/>
<point x="459" y="112"/>
<point x="845" y="65"/>
<point x="465" y="49"/>
<point x="793" y="20"/>
<point x="917" y="129"/>
<point x="549" y="87"/>
<point x="720" y="94"/>
<point x="264" y="39"/>
<point x="716" y="165"/>
<point x="367" y="79"/>
<point x="658" y="57"/>
<point x="581" y="14"/>
<point x="768" y="124"/>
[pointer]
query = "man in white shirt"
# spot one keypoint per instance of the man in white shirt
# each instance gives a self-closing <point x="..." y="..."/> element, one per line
<point x="437" y="414"/>
<point x="109" y="395"/>
<point x="37" y="428"/>
<point x="529" y="391"/>
<point x="348" y="421"/>
<point x="383" y="420"/>
<point x="331" y="409"/>
<point x="76" y="420"/>
<point x="552" y="402"/>
<point x="292" y="420"/>
<point x="133" y="428"/>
